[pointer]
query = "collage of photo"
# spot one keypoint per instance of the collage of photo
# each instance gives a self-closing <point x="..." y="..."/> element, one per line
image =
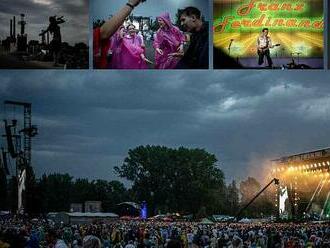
<point x="157" y="34"/>
<point x="164" y="124"/>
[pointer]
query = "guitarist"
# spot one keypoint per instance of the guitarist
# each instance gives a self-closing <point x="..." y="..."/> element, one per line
<point x="263" y="44"/>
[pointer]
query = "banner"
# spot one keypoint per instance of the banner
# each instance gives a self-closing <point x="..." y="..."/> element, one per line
<point x="297" y="25"/>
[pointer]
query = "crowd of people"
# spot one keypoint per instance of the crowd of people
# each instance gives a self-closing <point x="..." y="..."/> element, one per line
<point x="119" y="46"/>
<point x="16" y="233"/>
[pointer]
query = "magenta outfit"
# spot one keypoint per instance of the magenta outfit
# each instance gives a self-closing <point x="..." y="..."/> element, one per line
<point x="168" y="39"/>
<point x="130" y="53"/>
<point x="115" y="47"/>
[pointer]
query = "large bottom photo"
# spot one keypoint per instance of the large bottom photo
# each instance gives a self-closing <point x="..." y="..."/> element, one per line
<point x="234" y="161"/>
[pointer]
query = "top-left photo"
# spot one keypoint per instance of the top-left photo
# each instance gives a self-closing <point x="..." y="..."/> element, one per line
<point x="44" y="34"/>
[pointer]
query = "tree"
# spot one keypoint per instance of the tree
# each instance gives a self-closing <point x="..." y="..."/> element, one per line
<point x="117" y="194"/>
<point x="232" y="199"/>
<point x="248" y="189"/>
<point x="263" y="205"/>
<point x="175" y="180"/>
<point x="56" y="192"/>
<point x="82" y="190"/>
<point x="31" y="196"/>
<point x="154" y="26"/>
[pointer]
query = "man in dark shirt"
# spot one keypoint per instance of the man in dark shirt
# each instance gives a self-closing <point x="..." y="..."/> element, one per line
<point x="197" y="55"/>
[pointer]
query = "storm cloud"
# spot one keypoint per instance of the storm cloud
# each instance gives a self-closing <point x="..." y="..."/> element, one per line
<point x="89" y="120"/>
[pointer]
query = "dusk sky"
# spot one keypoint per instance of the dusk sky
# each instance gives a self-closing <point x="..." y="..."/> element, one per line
<point x="37" y="12"/>
<point x="89" y="120"/>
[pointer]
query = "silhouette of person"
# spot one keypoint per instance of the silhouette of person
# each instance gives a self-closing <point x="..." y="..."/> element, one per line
<point x="55" y="30"/>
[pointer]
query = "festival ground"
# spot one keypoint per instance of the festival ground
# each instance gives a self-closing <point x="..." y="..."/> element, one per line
<point x="132" y="234"/>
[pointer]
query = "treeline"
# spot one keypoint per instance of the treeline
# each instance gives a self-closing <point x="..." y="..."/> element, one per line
<point x="55" y="192"/>
<point x="187" y="181"/>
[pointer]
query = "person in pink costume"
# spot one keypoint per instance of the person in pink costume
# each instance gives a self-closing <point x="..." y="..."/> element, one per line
<point x="168" y="43"/>
<point x="132" y="50"/>
<point x="115" y="48"/>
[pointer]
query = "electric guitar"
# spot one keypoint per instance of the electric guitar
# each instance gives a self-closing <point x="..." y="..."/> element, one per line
<point x="263" y="50"/>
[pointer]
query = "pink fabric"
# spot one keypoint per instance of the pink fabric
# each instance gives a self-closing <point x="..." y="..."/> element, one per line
<point x="168" y="39"/>
<point x="100" y="48"/>
<point x="115" y="46"/>
<point x="130" y="53"/>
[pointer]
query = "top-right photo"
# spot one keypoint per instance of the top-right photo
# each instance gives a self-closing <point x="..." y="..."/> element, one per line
<point x="268" y="34"/>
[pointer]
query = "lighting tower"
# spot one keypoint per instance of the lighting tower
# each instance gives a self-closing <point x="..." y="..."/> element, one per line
<point x="19" y="145"/>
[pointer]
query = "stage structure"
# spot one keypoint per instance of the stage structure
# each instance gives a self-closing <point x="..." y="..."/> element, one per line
<point x="18" y="145"/>
<point x="304" y="190"/>
<point x="295" y="25"/>
<point x="239" y="214"/>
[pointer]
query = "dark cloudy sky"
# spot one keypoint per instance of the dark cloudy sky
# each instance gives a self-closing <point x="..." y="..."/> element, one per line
<point x="89" y="120"/>
<point x="37" y="12"/>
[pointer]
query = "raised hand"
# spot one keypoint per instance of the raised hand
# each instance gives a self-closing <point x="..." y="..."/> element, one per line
<point x="171" y="55"/>
<point x="134" y="2"/>
<point x="159" y="51"/>
<point x="180" y="49"/>
<point x="145" y="59"/>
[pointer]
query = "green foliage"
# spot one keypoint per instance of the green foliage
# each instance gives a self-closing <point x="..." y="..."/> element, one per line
<point x="30" y="195"/>
<point x="249" y="188"/>
<point x="263" y="205"/>
<point x="169" y="180"/>
<point x="57" y="192"/>
<point x="232" y="199"/>
<point x="175" y="180"/>
<point x="60" y="190"/>
<point x="154" y="26"/>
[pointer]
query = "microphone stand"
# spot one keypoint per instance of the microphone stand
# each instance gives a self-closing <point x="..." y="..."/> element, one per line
<point x="229" y="47"/>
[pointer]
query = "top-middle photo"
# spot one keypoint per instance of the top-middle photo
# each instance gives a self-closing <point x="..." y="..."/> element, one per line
<point x="150" y="34"/>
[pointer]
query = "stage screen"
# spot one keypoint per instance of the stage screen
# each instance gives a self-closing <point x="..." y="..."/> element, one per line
<point x="283" y="203"/>
<point x="295" y="25"/>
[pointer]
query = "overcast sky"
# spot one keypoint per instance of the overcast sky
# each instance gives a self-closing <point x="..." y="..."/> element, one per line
<point x="37" y="12"/>
<point x="88" y="120"/>
<point x="102" y="9"/>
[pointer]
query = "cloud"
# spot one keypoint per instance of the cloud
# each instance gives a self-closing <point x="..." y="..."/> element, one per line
<point x="89" y="120"/>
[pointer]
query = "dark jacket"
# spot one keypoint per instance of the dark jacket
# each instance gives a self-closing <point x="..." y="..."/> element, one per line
<point x="197" y="55"/>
